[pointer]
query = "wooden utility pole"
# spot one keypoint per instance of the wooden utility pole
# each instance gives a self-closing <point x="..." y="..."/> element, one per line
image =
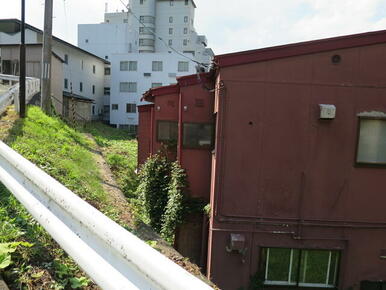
<point x="46" y="64"/>
<point x="22" y="63"/>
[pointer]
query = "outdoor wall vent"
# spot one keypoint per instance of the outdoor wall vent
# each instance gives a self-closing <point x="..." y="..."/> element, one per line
<point x="237" y="244"/>
<point x="147" y="74"/>
<point x="327" y="112"/>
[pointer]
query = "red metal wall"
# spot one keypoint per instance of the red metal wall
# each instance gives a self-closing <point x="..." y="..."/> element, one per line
<point x="198" y="101"/>
<point x="144" y="132"/>
<point x="277" y="164"/>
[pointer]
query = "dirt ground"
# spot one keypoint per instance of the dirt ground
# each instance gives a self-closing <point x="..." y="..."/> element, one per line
<point x="118" y="201"/>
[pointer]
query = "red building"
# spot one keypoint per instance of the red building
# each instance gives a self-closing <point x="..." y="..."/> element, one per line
<point x="298" y="164"/>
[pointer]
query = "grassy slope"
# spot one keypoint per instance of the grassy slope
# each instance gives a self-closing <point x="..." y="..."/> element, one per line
<point x="65" y="154"/>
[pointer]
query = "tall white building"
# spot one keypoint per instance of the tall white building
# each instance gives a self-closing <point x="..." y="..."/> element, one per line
<point x="144" y="46"/>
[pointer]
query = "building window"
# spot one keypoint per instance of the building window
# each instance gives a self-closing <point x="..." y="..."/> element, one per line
<point x="141" y="2"/>
<point x="124" y="66"/>
<point x="170" y="42"/>
<point x="170" y="19"/>
<point x="131" y="108"/>
<point x="186" y="2"/>
<point x="185" y="42"/>
<point x="107" y="71"/>
<point x="167" y="131"/>
<point x="125" y="20"/>
<point x="66" y="58"/>
<point x="147" y="19"/>
<point x="81" y="86"/>
<point x="133" y="65"/>
<point x="133" y="129"/>
<point x="171" y="2"/>
<point x="197" y="135"/>
<point x="146" y="30"/>
<point x="106" y="91"/>
<point x="170" y="30"/>
<point x="66" y="83"/>
<point x="371" y="142"/>
<point x="114" y="107"/>
<point x="93" y="69"/>
<point x="185" y="30"/>
<point x="183" y="66"/>
<point x="302" y="268"/>
<point x="106" y="109"/>
<point x="186" y="19"/>
<point x="86" y="40"/>
<point x="93" y="89"/>
<point x="81" y="64"/>
<point x="157" y="66"/>
<point x="93" y="109"/>
<point x="146" y="42"/>
<point x="128" y="87"/>
<point x="156" y="85"/>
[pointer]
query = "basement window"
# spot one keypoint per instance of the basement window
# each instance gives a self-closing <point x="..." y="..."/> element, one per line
<point x="301" y="268"/>
<point x="167" y="131"/>
<point x="371" y="141"/>
<point x="198" y="136"/>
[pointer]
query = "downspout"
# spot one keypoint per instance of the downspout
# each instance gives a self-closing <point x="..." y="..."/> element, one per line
<point x="180" y="129"/>
<point x="151" y="130"/>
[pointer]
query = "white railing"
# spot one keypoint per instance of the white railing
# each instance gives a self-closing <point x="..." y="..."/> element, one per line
<point x="32" y="87"/>
<point x="110" y="255"/>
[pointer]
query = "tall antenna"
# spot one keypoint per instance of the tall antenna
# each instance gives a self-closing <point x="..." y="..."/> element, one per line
<point x="106" y="7"/>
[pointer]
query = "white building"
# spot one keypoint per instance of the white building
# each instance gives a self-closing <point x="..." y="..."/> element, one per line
<point x="83" y="73"/>
<point x="144" y="46"/>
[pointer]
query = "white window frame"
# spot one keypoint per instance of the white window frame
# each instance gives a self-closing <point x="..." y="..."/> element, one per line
<point x="157" y="65"/>
<point x="183" y="66"/>
<point x="128" y="87"/>
<point x="298" y="283"/>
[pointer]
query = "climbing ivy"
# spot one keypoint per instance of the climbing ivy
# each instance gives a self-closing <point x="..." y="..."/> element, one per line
<point x="162" y="195"/>
<point x="152" y="191"/>
<point x="174" y="211"/>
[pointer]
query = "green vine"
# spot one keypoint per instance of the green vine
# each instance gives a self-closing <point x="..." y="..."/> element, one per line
<point x="162" y="196"/>
<point x="174" y="211"/>
<point x="152" y="191"/>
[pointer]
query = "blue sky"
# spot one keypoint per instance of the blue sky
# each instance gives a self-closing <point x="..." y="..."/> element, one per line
<point x="231" y="25"/>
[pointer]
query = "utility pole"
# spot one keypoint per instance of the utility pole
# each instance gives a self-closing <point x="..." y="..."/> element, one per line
<point x="46" y="64"/>
<point x="22" y="63"/>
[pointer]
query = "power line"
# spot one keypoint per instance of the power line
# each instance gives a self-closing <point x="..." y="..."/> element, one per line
<point x="149" y="29"/>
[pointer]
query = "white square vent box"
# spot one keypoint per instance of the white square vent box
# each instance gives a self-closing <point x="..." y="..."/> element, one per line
<point x="327" y="111"/>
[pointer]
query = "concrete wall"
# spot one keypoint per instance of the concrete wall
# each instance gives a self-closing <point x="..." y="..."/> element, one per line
<point x="284" y="178"/>
<point x="144" y="65"/>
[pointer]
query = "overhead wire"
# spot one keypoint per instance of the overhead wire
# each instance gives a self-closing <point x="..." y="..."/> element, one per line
<point x="149" y="29"/>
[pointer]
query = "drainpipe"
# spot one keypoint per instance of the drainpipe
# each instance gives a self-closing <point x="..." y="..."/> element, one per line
<point x="151" y="129"/>
<point x="179" y="146"/>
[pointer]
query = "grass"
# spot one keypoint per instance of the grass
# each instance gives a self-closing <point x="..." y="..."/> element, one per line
<point x="65" y="154"/>
<point x="120" y="152"/>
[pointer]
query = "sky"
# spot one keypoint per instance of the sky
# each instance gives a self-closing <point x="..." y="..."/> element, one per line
<point x="229" y="25"/>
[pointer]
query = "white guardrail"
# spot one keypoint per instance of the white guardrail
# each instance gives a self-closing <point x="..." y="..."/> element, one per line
<point x="32" y="87"/>
<point x="112" y="257"/>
